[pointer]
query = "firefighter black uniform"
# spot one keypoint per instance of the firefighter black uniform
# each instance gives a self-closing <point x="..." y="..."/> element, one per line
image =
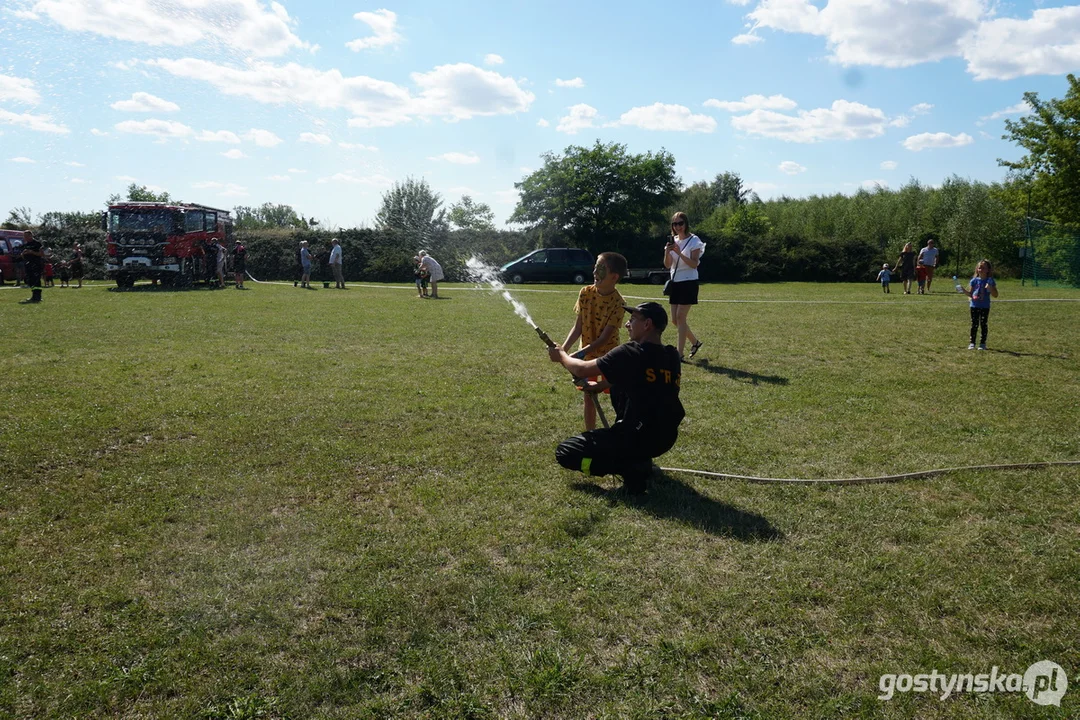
<point x="644" y="376"/>
<point x="35" y="263"/>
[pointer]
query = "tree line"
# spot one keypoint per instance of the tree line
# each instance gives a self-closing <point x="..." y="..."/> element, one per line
<point x="602" y="197"/>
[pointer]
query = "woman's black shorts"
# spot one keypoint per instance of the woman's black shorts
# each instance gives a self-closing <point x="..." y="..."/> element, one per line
<point x="683" y="293"/>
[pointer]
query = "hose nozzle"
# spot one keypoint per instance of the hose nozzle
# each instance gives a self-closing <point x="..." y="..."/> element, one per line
<point x="544" y="336"/>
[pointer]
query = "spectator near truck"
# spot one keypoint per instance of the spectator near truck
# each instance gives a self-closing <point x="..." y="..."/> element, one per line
<point x="163" y="241"/>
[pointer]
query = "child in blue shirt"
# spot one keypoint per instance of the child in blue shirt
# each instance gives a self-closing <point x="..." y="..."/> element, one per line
<point x="884" y="277"/>
<point x="981" y="288"/>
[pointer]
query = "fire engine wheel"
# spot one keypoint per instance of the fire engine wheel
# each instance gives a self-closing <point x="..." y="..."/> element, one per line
<point x="125" y="281"/>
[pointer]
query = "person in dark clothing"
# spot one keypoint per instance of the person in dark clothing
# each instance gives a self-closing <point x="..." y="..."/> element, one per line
<point x="644" y="376"/>
<point x="34" y="257"/>
<point x="239" y="264"/>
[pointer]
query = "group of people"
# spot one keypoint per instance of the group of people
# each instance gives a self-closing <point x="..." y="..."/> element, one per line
<point x="642" y="376"/>
<point x="37" y="268"/>
<point x="979" y="289"/>
<point x="305" y="258"/>
<point x="918" y="268"/>
<point x="427" y="270"/>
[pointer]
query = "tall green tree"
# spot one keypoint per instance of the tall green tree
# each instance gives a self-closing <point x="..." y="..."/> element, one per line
<point x="267" y="215"/>
<point x="600" y="197"/>
<point x="20" y="218"/>
<point x="140" y="193"/>
<point x="412" y="208"/>
<point x="1051" y="137"/>
<point x="471" y="215"/>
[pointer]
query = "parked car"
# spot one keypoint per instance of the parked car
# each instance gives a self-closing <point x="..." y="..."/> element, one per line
<point x="562" y="265"/>
<point x="10" y="247"/>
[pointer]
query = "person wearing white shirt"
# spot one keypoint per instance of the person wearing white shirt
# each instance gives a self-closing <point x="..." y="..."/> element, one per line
<point x="928" y="257"/>
<point x="335" y="264"/>
<point x="435" y="269"/>
<point x="682" y="255"/>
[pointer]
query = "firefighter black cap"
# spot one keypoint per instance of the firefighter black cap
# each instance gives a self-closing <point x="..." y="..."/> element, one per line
<point x="651" y="310"/>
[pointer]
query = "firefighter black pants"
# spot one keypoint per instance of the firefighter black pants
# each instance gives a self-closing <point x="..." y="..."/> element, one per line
<point x="612" y="451"/>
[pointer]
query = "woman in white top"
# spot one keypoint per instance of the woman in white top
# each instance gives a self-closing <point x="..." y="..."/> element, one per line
<point x="435" y="269"/>
<point x="682" y="254"/>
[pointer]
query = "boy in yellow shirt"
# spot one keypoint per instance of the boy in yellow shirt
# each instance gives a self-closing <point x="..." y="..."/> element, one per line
<point x="599" y="310"/>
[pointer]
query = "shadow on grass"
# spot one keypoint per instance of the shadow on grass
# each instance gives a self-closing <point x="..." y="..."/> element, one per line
<point x="1013" y="353"/>
<point x="148" y="288"/>
<point x="671" y="499"/>
<point x="741" y="375"/>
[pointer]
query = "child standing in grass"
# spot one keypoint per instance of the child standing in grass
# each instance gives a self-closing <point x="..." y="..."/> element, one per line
<point x="599" y="311"/>
<point x="981" y="288"/>
<point x="884" y="277"/>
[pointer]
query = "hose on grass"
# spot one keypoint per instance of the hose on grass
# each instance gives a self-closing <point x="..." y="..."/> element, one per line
<point x="878" y="479"/>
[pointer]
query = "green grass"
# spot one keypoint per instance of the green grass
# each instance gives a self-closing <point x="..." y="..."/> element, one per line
<point x="291" y="504"/>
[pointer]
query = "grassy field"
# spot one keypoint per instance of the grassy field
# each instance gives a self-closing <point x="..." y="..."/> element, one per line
<point x="292" y="504"/>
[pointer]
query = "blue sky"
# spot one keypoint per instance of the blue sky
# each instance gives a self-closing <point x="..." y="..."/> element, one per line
<point x="322" y="105"/>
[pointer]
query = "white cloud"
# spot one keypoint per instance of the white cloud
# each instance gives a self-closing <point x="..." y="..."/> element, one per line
<point x="80" y="181"/>
<point x="506" y="197"/>
<point x="297" y="171"/>
<point x="462" y="91"/>
<point x="790" y="167"/>
<point x="1020" y="108"/>
<point x="262" y="138"/>
<point x="659" y="116"/>
<point x="753" y="102"/>
<point x="161" y="129"/>
<point x="234" y="154"/>
<point x="746" y="39"/>
<point x="542" y="123"/>
<point x="358" y="146"/>
<point x="75" y="164"/>
<point x="127" y="178"/>
<point x="580" y="118"/>
<point x="145" y="102"/>
<point x="573" y="83"/>
<point x="25" y="14"/>
<point x="453" y="92"/>
<point x="246" y="25"/>
<point x="872" y="184"/>
<point x="351" y="178"/>
<point x="224" y="136"/>
<point x="18" y="89"/>
<point x="922" y="108"/>
<point x="279" y="178"/>
<point x="315" y="139"/>
<point x="915" y="143"/>
<point x="889" y="165"/>
<point x="98" y="133"/>
<point x="24" y="160"/>
<point x="457" y="158"/>
<point x="1046" y="44"/>
<point x="888" y="33"/>
<point x="383" y="24"/>
<point x="38" y="123"/>
<point x="843" y="121"/>
<point x="900" y="121"/>
<point x="900" y="33"/>
<point x="493" y="59"/>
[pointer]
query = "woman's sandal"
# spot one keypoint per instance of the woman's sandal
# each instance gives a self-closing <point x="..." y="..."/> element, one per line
<point x="695" y="347"/>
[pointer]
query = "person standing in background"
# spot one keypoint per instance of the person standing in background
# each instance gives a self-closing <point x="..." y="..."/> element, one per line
<point x="682" y="255"/>
<point x="335" y="264"/>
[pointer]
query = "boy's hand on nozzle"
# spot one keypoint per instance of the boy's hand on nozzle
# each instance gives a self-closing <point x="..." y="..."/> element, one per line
<point x="555" y="353"/>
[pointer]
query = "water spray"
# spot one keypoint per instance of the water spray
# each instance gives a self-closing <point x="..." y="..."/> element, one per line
<point x="481" y="273"/>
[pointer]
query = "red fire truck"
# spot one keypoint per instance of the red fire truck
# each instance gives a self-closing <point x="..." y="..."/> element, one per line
<point x="163" y="241"/>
